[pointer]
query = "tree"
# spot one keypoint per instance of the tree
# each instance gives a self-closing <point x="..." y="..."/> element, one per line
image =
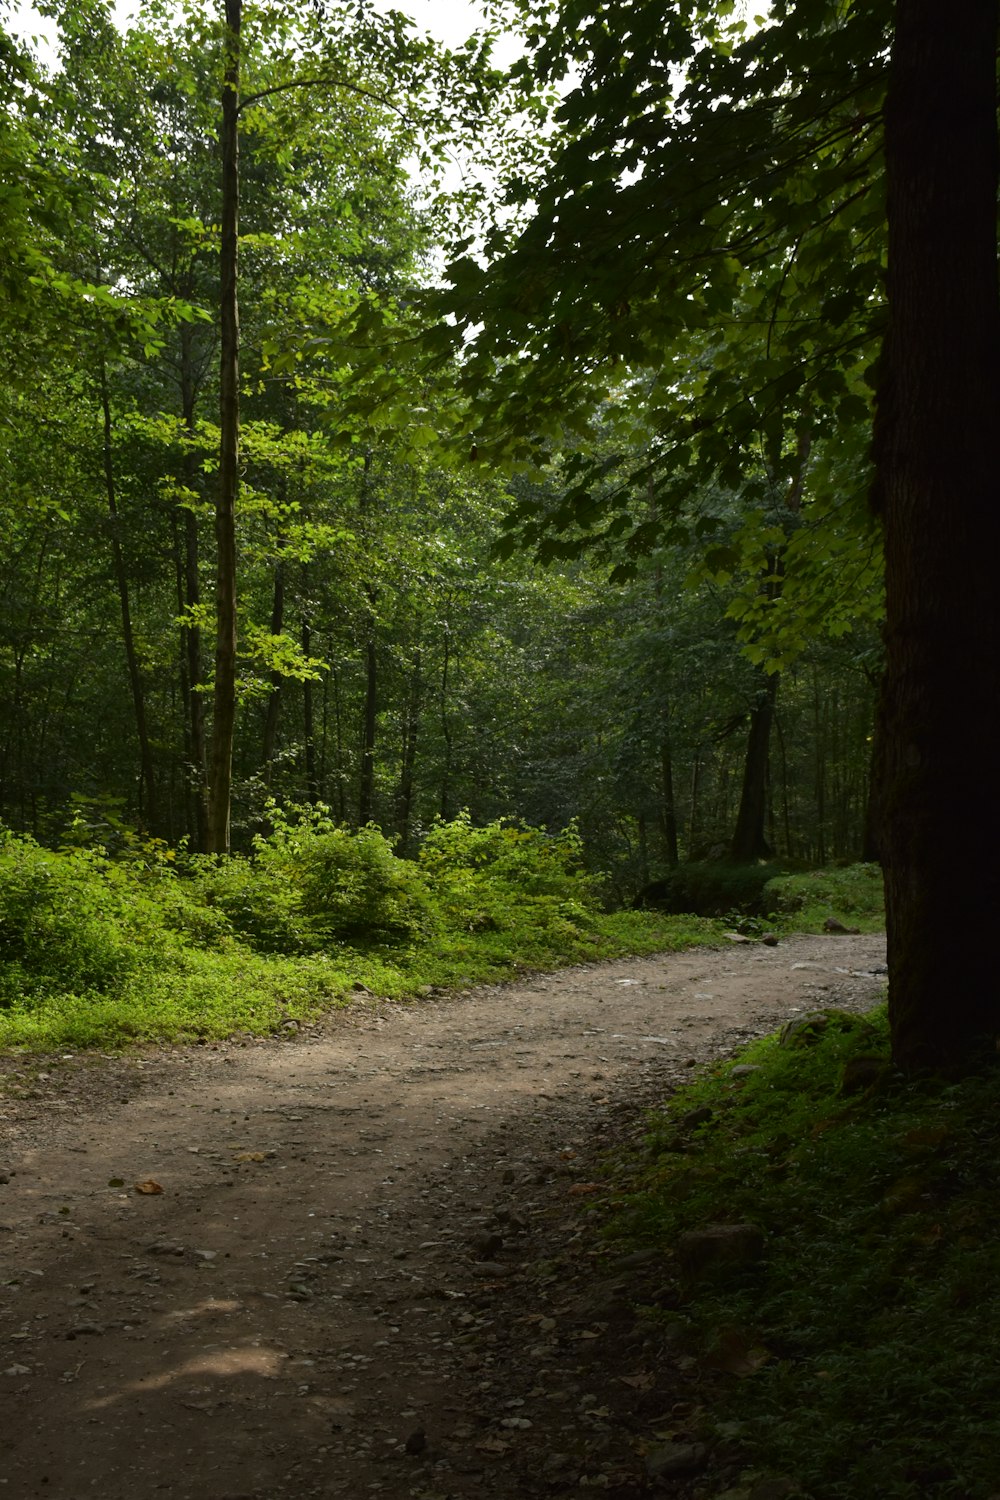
<point x="707" y="241"/>
<point x="938" y="491"/>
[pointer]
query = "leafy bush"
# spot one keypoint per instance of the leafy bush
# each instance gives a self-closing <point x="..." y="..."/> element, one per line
<point x="69" y="920"/>
<point x="503" y="875"/>
<point x="351" y="887"/>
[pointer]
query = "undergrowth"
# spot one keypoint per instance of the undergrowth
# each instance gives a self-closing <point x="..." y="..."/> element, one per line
<point x="856" y="1358"/>
<point x="158" y="945"/>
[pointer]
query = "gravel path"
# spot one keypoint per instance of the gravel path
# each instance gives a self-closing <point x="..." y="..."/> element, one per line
<point x="362" y="1262"/>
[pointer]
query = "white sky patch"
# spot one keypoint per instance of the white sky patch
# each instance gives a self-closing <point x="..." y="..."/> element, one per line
<point x="450" y="21"/>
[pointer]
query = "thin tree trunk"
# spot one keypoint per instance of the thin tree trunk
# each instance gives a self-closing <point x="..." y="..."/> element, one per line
<point x="369" y="724"/>
<point x="273" y="710"/>
<point x="693" y="827"/>
<point x="445" y="806"/>
<point x="308" y="721"/>
<point x="668" y="803"/>
<point x="938" y="490"/>
<point x="366" y="798"/>
<point x="338" y="725"/>
<point x="749" y="842"/>
<point x="224" y="694"/>
<point x="147" y="779"/>
<point x="408" y="757"/>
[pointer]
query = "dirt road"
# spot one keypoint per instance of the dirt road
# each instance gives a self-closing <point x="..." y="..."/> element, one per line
<point x="369" y="1270"/>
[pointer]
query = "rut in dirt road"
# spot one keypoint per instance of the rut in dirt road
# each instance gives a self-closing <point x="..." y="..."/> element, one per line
<point x="349" y="1282"/>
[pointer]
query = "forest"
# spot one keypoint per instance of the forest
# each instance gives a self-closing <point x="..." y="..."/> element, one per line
<point x="498" y="615"/>
<point x="390" y="439"/>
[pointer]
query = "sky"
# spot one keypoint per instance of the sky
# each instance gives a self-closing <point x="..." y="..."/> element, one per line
<point x="451" y="21"/>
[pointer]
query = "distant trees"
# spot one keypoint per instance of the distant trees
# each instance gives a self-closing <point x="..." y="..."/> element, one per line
<point x="388" y="662"/>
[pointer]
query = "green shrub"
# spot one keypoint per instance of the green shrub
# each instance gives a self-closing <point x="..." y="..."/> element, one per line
<point x="352" y="888"/>
<point x="257" y="900"/>
<point x="505" y="876"/>
<point x="69" y="921"/>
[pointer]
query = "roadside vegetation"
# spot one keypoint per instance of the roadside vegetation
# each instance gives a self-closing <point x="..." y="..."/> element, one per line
<point x="154" y="943"/>
<point x="851" y="1355"/>
<point x="157" y="944"/>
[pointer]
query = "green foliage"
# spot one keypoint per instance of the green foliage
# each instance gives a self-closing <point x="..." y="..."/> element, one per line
<point x="70" y="922"/>
<point x="499" y="876"/>
<point x="870" y="1372"/>
<point x="852" y="892"/>
<point x="351" y="887"/>
<point x="95" y="951"/>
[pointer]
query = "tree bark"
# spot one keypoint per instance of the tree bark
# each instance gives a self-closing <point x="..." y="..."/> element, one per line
<point x="938" y="492"/>
<point x="408" y="758"/>
<point x="308" y="722"/>
<point x="147" y="777"/>
<point x="369" y="725"/>
<point x="749" y="841"/>
<point x="272" y="713"/>
<point x="224" y="694"/>
<point x="668" y="801"/>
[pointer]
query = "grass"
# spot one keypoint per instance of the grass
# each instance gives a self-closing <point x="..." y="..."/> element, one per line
<point x="857" y="1357"/>
<point x="851" y="894"/>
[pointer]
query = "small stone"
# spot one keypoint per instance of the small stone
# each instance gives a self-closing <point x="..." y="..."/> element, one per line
<point x="676" y="1459"/>
<point x="696" y="1117"/>
<point x="637" y="1258"/>
<point x="485" y="1244"/>
<point x="770" y="939"/>
<point x="744" y="1070"/>
<point x="719" y="1247"/>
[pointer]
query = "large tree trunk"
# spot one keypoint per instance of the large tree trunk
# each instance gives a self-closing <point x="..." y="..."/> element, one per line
<point x="938" y="488"/>
<point x="224" y="694"/>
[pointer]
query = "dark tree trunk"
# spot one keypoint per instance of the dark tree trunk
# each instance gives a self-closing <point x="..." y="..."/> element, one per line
<point x="224" y="694"/>
<point x="938" y="490"/>
<point x="668" y="802"/>
<point x="408" y="757"/>
<point x="147" y="779"/>
<point x="273" y="711"/>
<point x="445" y="804"/>
<point x="309" y="721"/>
<point x="366" y="799"/>
<point x="749" y="840"/>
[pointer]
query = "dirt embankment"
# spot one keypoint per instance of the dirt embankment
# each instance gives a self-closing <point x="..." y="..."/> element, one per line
<point x="369" y="1270"/>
